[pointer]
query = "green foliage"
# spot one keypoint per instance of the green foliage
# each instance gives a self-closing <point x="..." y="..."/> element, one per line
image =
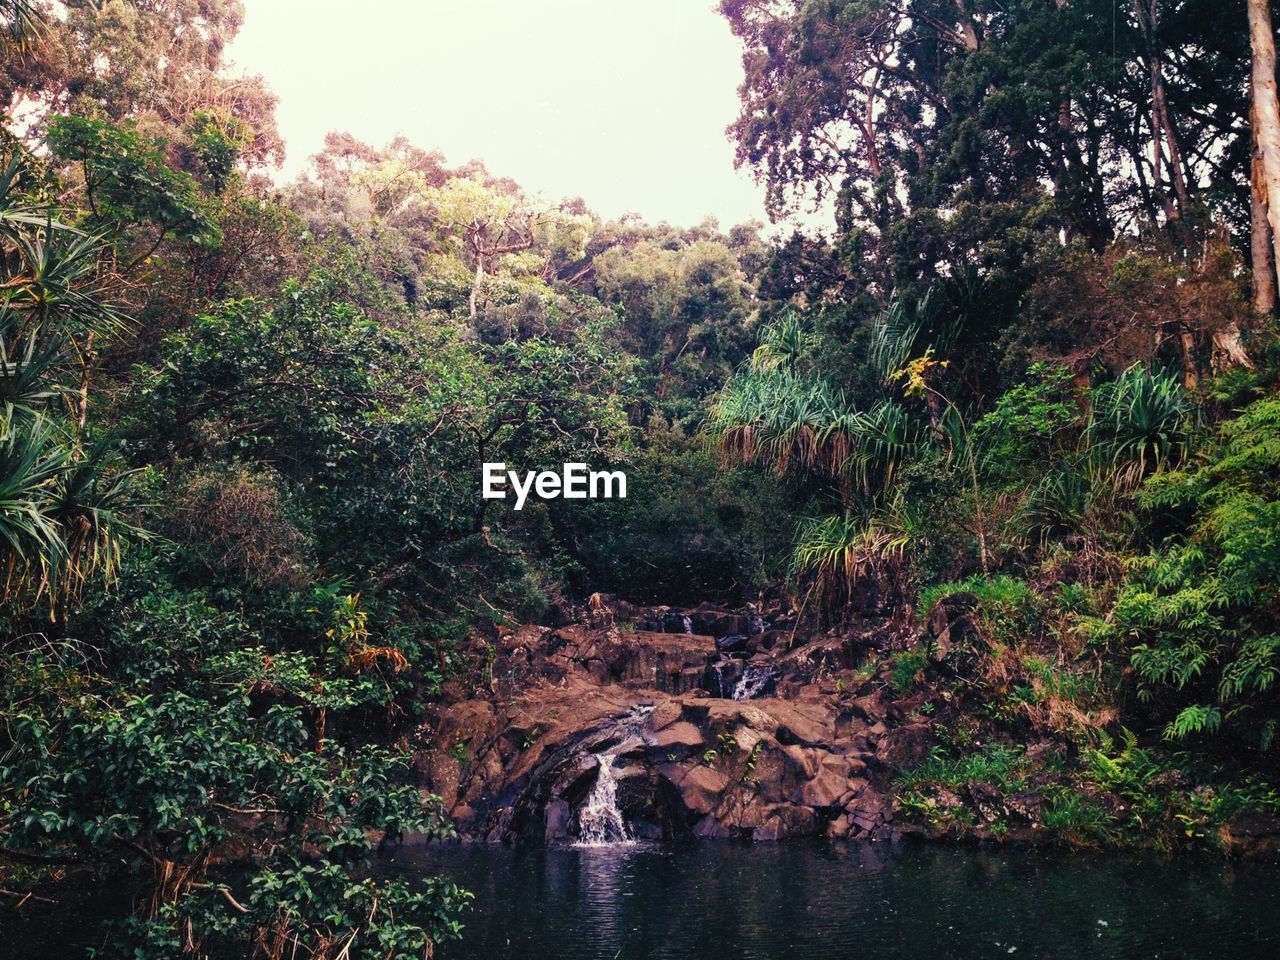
<point x="62" y="506"/>
<point x="905" y="668"/>
<point x="781" y="418"/>
<point x="216" y="144"/>
<point x="199" y="733"/>
<point x="1078" y="818"/>
<point x="1139" y="423"/>
<point x="128" y="183"/>
<point x="1007" y="606"/>
<point x="996" y="764"/>
<point x="689" y="529"/>
<point x="1029" y="423"/>
<point x="1198" y="611"/>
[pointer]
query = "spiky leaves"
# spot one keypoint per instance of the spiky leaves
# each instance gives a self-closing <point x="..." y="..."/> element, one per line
<point x="781" y="419"/>
<point x="59" y="506"/>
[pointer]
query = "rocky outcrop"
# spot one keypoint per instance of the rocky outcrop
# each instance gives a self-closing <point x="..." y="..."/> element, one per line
<point x="703" y="722"/>
<point x="656" y="723"/>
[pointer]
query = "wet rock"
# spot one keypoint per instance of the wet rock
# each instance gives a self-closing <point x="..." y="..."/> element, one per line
<point x="700" y="788"/>
<point x="557" y="821"/>
<point x="1027" y="806"/>
<point x="732" y="643"/>
<point x="516" y="752"/>
<point x="828" y="785"/>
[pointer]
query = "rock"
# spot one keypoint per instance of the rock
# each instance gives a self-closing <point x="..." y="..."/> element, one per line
<point x="557" y="821"/>
<point x="710" y="828"/>
<point x="1253" y="836"/>
<point x="828" y="785"/>
<point x="1026" y="805"/>
<point x="515" y="749"/>
<point x="680" y="737"/>
<point x="952" y="624"/>
<point x="700" y="789"/>
<point x="600" y="611"/>
<point x="732" y="643"/>
<point x="870" y="708"/>
<point x="906" y="746"/>
<point x="987" y="799"/>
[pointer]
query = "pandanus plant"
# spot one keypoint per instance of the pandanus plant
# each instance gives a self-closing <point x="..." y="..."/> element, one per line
<point x="780" y="419"/>
<point x="61" y="505"/>
<point x="1139" y="423"/>
<point x="19" y="21"/>
<point x="775" y="415"/>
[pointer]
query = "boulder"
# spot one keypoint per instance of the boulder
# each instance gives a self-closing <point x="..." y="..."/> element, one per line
<point x="679" y="737"/>
<point x="1253" y="836"/>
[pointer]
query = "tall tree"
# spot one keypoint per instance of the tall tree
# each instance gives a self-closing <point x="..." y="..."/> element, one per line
<point x="1265" y="114"/>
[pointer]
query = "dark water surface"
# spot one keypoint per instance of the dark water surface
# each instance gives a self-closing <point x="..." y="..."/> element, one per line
<point x="819" y="902"/>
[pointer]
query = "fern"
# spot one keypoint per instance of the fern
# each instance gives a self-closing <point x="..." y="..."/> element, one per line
<point x="1193" y="719"/>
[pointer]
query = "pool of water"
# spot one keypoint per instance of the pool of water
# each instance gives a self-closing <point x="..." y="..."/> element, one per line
<point x="817" y="901"/>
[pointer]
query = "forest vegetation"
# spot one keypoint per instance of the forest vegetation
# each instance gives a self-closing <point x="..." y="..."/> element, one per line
<point x="242" y="424"/>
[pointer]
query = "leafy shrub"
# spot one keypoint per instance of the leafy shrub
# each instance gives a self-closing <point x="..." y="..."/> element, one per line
<point x="1198" y="612"/>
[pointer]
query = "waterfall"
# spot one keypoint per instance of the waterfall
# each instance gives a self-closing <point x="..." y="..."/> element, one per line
<point x="755" y="681"/>
<point x="599" y="818"/>
<point x="720" y="686"/>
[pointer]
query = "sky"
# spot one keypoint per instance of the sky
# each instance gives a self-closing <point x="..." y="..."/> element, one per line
<point x="621" y="102"/>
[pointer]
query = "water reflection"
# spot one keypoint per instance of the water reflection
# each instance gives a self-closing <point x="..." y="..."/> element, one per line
<point x="825" y="902"/>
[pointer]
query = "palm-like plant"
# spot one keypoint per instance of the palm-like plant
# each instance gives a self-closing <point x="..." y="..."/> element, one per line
<point x="30" y="462"/>
<point x="20" y="20"/>
<point x="781" y="344"/>
<point x="834" y="552"/>
<point x="895" y="338"/>
<point x="780" y="418"/>
<point x="60" y="507"/>
<point x="1140" y="422"/>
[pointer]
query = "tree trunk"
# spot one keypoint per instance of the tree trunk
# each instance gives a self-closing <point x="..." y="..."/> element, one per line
<point x="1266" y="115"/>
<point x="968" y="29"/>
<point x="1260" y="243"/>
<point x="1164" y="137"/>
<point x="1228" y="349"/>
<point x="475" y="287"/>
<point x="1170" y="135"/>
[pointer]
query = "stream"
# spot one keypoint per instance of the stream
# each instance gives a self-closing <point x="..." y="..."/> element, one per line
<point x="822" y="901"/>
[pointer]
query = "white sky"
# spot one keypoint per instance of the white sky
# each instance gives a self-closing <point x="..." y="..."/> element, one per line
<point x="621" y="102"/>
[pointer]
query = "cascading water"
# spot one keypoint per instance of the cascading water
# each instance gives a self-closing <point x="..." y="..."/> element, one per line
<point x="754" y="682"/>
<point x="720" y="675"/>
<point x="600" y="820"/>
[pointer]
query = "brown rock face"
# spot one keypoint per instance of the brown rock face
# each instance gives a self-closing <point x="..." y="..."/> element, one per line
<point x="568" y="719"/>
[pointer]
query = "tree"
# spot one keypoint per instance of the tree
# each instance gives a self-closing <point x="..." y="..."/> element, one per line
<point x="1265" y="116"/>
<point x="159" y="60"/>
